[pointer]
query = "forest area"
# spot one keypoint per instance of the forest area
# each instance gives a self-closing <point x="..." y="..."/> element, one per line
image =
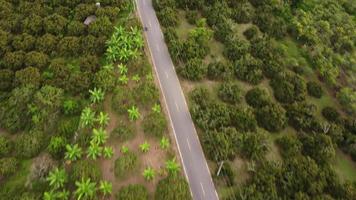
<point x="80" y="112"/>
<point x="271" y="86"/>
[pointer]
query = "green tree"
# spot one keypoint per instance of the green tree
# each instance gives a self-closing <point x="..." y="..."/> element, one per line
<point x="57" y="178"/>
<point x="73" y="153"/>
<point x="132" y="192"/>
<point x="85" y="189"/>
<point x="347" y="97"/>
<point x="272" y="117"/>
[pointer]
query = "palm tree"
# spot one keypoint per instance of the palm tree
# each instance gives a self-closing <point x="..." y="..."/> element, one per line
<point x="105" y="187"/>
<point x="172" y="166"/>
<point x="103" y="118"/>
<point x="87" y="117"/>
<point x="149" y="174"/>
<point x="96" y="95"/>
<point x="123" y="79"/>
<point x="51" y="195"/>
<point x="164" y="143"/>
<point x="111" y="54"/>
<point x="108" y="66"/>
<point x="156" y="108"/>
<point x="122" y="69"/>
<point x="136" y="78"/>
<point x="145" y="147"/>
<point x="94" y="151"/>
<point x="99" y="136"/>
<point x="63" y="195"/>
<point x="85" y="189"/>
<point x="124" y="149"/>
<point x="57" y="178"/>
<point x="134" y="114"/>
<point x="73" y="152"/>
<point x="108" y="152"/>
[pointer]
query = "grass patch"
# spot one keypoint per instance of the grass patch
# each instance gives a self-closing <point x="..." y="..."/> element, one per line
<point x="15" y="185"/>
<point x="344" y="167"/>
<point x="125" y="165"/>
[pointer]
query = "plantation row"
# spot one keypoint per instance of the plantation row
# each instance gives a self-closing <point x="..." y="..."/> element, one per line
<point x="80" y="113"/>
<point x="261" y="87"/>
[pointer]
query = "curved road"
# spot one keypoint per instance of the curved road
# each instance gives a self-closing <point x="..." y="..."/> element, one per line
<point x="194" y="162"/>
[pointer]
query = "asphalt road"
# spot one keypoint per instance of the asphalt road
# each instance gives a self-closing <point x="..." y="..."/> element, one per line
<point x="194" y="162"/>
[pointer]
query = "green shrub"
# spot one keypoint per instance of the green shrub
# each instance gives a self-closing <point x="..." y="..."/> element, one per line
<point x="85" y="169"/>
<point x="243" y="13"/>
<point x="314" y="89"/>
<point x="146" y="93"/>
<point x="122" y="100"/>
<point x="249" y="69"/>
<point x="192" y="16"/>
<point x="8" y="166"/>
<point x="219" y="71"/>
<point x="6" y="146"/>
<point x="227" y="173"/>
<point x="6" y="79"/>
<point x="257" y="97"/>
<point x="68" y="126"/>
<point x="168" y="17"/>
<point x="347" y="98"/>
<point x="14" y="60"/>
<point x="243" y="119"/>
<point x="251" y="32"/>
<point x="289" y="88"/>
<point x="125" y="165"/>
<point x="105" y="79"/>
<point x="290" y="146"/>
<point x="194" y="70"/>
<point x="272" y="117"/>
<point x="132" y="192"/>
<point x="123" y="131"/>
<point x="57" y="146"/>
<point x="236" y="49"/>
<point x="28" y="76"/>
<point x="30" y="144"/>
<point x="301" y="116"/>
<point x="230" y="92"/>
<point x="254" y="145"/>
<point x="155" y="124"/>
<point x="331" y="114"/>
<point x="37" y="59"/>
<point x="173" y="188"/>
<point x="23" y="42"/>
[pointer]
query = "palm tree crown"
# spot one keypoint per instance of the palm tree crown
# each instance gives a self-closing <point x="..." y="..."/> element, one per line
<point x="172" y="166"/>
<point x="103" y="119"/>
<point x="99" y="136"/>
<point x="87" y="117"/>
<point x="57" y="178"/>
<point x="85" y="189"/>
<point x="149" y="173"/>
<point x="73" y="152"/>
<point x="134" y="114"/>
<point x="96" y="95"/>
<point x="105" y="187"/>
<point x="94" y="151"/>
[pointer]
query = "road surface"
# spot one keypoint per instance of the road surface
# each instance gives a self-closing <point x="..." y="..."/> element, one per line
<point x="194" y="162"/>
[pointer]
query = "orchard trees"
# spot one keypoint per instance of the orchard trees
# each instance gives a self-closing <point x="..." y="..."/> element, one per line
<point x="347" y="97"/>
<point x="272" y="117"/>
<point x="248" y="69"/>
